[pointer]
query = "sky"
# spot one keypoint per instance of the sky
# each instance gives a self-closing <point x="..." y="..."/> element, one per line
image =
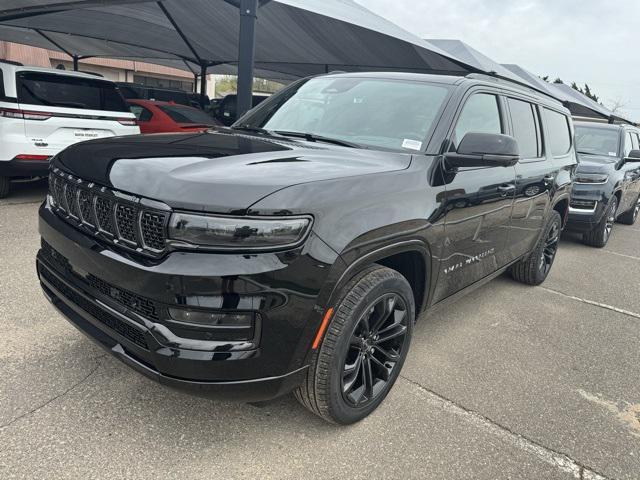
<point x="586" y="41"/>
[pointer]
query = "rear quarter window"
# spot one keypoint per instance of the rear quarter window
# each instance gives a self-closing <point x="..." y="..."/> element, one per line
<point x="559" y="132"/>
<point x="52" y="90"/>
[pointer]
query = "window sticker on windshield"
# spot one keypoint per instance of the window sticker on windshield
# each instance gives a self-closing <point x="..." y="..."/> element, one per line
<point x="411" y="144"/>
<point x="613" y="154"/>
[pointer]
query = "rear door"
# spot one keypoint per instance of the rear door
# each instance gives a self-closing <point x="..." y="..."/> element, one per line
<point x="631" y="179"/>
<point x="535" y="173"/>
<point x="478" y="202"/>
<point x="70" y="109"/>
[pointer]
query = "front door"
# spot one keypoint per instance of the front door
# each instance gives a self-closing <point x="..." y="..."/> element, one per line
<point x="478" y="204"/>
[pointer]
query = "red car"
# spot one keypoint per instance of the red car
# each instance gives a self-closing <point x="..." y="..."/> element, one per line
<point x="159" y="117"/>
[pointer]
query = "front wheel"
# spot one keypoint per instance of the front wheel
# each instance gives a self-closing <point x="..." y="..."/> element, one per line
<point x="599" y="236"/>
<point x="630" y="216"/>
<point x="364" y="348"/>
<point x="535" y="269"/>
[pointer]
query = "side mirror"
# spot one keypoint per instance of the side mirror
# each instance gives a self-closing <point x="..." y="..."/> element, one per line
<point x="634" y="156"/>
<point x="485" y="150"/>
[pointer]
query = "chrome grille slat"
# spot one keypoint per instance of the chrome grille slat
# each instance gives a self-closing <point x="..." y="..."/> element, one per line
<point x="70" y="194"/>
<point x="126" y="222"/>
<point x="85" y="202"/>
<point x="119" y="219"/>
<point x="104" y="214"/>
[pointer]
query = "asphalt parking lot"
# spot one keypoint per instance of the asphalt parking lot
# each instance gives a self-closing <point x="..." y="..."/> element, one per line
<point x="511" y="382"/>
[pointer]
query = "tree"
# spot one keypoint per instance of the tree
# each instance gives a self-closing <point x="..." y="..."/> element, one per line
<point x="558" y="80"/>
<point x="586" y="91"/>
<point x="616" y="106"/>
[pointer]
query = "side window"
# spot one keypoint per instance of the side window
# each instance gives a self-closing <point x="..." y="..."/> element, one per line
<point x="526" y="128"/>
<point x="480" y="114"/>
<point x="145" y="115"/>
<point x="635" y="140"/>
<point x="559" y="133"/>
<point x="141" y="113"/>
<point x="628" y="144"/>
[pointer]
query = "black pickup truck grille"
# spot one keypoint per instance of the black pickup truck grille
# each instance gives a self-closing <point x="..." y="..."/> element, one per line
<point x="120" y="219"/>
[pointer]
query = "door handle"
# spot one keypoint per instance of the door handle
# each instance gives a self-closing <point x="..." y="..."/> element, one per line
<point x="506" y="189"/>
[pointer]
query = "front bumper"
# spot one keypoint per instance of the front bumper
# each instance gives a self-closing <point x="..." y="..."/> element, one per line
<point x="586" y="218"/>
<point x="282" y="288"/>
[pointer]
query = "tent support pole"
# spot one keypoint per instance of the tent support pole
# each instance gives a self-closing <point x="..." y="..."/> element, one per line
<point x="203" y="84"/>
<point x="246" y="50"/>
<point x="75" y="63"/>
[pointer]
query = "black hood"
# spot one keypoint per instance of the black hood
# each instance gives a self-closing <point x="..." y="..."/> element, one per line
<point x="216" y="171"/>
<point x="596" y="163"/>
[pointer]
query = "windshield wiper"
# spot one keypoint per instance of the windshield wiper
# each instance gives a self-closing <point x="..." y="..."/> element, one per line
<point x="310" y="137"/>
<point x="250" y="128"/>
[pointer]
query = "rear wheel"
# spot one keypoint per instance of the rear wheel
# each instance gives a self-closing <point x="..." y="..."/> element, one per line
<point x="599" y="236"/>
<point x="535" y="269"/>
<point x="5" y="186"/>
<point x="363" y="350"/>
<point x="630" y="216"/>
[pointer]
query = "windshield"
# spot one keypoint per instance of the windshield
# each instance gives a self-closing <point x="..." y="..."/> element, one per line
<point x="598" y="141"/>
<point x="371" y="112"/>
<point x="182" y="114"/>
<point x="54" y="90"/>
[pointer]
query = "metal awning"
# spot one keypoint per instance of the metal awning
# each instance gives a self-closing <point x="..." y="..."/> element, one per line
<point x="578" y="104"/>
<point x="295" y="38"/>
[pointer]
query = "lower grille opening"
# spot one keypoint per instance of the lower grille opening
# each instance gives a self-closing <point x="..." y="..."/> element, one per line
<point x="583" y="204"/>
<point x="101" y="315"/>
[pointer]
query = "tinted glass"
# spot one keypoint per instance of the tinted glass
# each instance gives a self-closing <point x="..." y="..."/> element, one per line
<point x="183" y="114"/>
<point x="525" y="128"/>
<point x="480" y="114"/>
<point x="374" y="112"/>
<point x="628" y="144"/>
<point x="169" y="96"/>
<point x="559" y="142"/>
<point x="71" y="92"/>
<point x="597" y="141"/>
<point x="141" y="113"/>
<point x="1" y="85"/>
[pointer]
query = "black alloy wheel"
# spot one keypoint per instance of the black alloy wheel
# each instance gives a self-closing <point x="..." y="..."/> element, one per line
<point x="534" y="269"/>
<point x="364" y="347"/>
<point x="374" y="350"/>
<point x="550" y="249"/>
<point x="599" y="236"/>
<point x="629" y="217"/>
<point x="611" y="218"/>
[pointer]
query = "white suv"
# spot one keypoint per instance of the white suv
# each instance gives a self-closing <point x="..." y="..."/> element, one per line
<point x="43" y="111"/>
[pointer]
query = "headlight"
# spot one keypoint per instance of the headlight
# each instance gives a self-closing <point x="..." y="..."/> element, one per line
<point x="238" y="232"/>
<point x="591" y="178"/>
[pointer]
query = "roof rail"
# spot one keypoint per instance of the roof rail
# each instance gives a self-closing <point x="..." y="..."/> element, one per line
<point x="498" y="78"/>
<point x="11" y="62"/>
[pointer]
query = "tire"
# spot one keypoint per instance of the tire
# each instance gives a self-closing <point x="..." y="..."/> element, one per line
<point x="630" y="216"/>
<point x="599" y="236"/>
<point x="5" y="187"/>
<point x="534" y="269"/>
<point x="335" y="388"/>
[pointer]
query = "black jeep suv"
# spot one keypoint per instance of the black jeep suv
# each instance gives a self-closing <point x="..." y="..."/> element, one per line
<point x="607" y="183"/>
<point x="294" y="251"/>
